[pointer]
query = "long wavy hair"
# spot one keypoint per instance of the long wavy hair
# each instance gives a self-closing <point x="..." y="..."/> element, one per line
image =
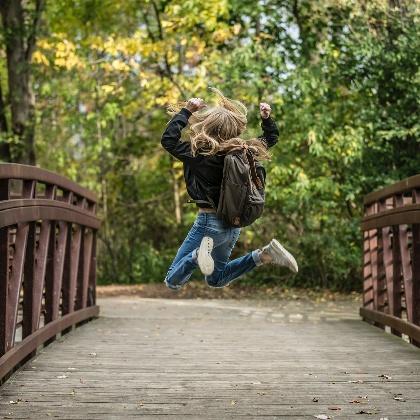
<point x="217" y="129"/>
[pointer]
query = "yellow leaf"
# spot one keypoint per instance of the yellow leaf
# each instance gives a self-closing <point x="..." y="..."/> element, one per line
<point x="39" y="58"/>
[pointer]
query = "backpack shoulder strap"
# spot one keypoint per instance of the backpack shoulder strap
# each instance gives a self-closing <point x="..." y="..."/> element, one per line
<point x="254" y="176"/>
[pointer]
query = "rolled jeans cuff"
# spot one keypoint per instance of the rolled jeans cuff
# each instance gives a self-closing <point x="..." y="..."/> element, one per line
<point x="256" y="257"/>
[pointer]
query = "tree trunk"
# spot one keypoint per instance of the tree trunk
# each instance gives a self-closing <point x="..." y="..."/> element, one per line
<point x="4" y="145"/>
<point x="177" y="196"/>
<point x="20" y="39"/>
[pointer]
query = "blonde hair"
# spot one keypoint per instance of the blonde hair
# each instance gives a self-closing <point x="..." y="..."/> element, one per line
<point x="217" y="129"/>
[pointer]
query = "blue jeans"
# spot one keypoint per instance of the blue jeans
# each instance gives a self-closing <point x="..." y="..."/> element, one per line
<point x="224" y="239"/>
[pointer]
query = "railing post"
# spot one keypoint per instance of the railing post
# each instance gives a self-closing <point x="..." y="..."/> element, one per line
<point x="416" y="276"/>
<point x="92" y="273"/>
<point x="416" y="265"/>
<point x="4" y="269"/>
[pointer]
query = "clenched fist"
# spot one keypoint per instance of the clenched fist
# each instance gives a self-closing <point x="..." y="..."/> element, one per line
<point x="195" y="104"/>
<point x="265" y="110"/>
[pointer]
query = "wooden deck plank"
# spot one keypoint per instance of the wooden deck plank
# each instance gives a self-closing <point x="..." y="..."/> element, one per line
<point x="156" y="358"/>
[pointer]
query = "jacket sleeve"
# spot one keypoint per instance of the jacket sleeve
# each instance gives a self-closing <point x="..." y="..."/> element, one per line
<point x="270" y="131"/>
<point x="171" y="137"/>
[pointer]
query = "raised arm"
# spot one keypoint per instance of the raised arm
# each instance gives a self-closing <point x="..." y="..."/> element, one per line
<point x="171" y="137"/>
<point x="269" y="127"/>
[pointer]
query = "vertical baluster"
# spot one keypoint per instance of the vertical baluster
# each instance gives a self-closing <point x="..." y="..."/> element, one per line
<point x="405" y="263"/>
<point x="55" y="276"/>
<point x="367" y="269"/>
<point x="28" y="192"/>
<point x="387" y="259"/>
<point x="34" y="301"/>
<point x="49" y="272"/>
<point x="75" y="245"/>
<point x="373" y="248"/>
<point x="391" y="264"/>
<point x="66" y="272"/>
<point x="28" y="281"/>
<point x="82" y="291"/>
<point x="4" y="269"/>
<point x="16" y="275"/>
<point x="416" y="276"/>
<point x="92" y="273"/>
<point x="65" y="307"/>
<point x="15" y="282"/>
<point x="416" y="266"/>
<point x="381" y="273"/>
<point x="397" y="272"/>
<point x="79" y="281"/>
<point x="50" y="287"/>
<point x="82" y="203"/>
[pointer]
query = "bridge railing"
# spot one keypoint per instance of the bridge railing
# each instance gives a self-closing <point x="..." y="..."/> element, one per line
<point x="391" y="266"/>
<point x="48" y="233"/>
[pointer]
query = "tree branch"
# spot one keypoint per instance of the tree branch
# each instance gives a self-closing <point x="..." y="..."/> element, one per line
<point x="3" y="120"/>
<point x="31" y="41"/>
<point x="4" y="146"/>
<point x="167" y="71"/>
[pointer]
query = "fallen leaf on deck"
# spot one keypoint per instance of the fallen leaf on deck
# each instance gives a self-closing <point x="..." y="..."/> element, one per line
<point x="335" y="408"/>
<point x="15" y="402"/>
<point x="315" y="399"/>
<point x="233" y="402"/>
<point x="387" y="377"/>
<point x="398" y="398"/>
<point x="365" y="412"/>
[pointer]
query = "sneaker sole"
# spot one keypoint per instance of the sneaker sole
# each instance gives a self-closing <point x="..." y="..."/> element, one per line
<point x="204" y="258"/>
<point x="283" y="252"/>
<point x="172" y="286"/>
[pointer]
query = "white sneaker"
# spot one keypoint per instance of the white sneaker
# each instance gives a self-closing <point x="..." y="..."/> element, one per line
<point x="204" y="258"/>
<point x="280" y="256"/>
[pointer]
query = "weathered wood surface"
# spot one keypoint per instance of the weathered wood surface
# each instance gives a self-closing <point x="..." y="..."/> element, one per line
<point x="204" y="359"/>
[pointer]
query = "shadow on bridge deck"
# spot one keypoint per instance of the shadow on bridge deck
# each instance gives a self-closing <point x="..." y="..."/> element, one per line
<point x="219" y="359"/>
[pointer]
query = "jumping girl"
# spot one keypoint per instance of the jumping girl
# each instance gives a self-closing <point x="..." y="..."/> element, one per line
<point x="214" y="132"/>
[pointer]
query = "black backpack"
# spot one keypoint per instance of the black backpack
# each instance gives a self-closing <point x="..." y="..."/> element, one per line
<point x="242" y="193"/>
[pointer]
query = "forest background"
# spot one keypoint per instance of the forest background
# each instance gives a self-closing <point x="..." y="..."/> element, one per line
<point x="84" y="85"/>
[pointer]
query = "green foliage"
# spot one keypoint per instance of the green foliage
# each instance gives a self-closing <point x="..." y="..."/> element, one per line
<point x="343" y="80"/>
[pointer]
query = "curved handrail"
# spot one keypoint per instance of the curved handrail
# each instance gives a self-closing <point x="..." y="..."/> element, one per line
<point x="400" y="187"/>
<point x="47" y="257"/>
<point x="409" y="214"/>
<point x="18" y="211"/>
<point x="391" y="266"/>
<point x="17" y="171"/>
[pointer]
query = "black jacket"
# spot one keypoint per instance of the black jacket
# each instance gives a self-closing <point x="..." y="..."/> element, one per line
<point x="203" y="174"/>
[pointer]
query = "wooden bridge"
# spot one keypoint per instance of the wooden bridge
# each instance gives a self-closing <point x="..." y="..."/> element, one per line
<point x="157" y="358"/>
